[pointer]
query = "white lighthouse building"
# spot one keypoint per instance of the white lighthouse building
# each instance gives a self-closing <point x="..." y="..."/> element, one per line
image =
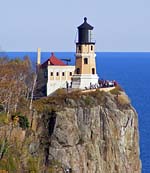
<point x="85" y="68"/>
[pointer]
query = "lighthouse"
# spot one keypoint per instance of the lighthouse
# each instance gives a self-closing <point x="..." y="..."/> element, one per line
<point x="85" y="68"/>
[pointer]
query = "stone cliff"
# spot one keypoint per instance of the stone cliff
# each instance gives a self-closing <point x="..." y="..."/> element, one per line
<point x="95" y="132"/>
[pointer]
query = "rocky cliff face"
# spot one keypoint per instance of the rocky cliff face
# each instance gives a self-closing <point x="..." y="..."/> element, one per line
<point x="89" y="133"/>
<point x="98" y="139"/>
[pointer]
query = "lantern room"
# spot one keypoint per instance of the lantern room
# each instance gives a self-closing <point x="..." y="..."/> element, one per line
<point x="85" y="33"/>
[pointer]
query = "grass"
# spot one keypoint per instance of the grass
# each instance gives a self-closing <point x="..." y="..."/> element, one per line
<point x="4" y="118"/>
<point x="33" y="165"/>
<point x="62" y="99"/>
<point x="9" y="163"/>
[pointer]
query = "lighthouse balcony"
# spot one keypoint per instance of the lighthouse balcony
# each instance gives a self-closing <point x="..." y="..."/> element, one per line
<point x="85" y="54"/>
<point x="78" y="42"/>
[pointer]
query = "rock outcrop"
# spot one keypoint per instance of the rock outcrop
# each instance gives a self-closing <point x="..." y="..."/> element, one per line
<point x="98" y="139"/>
<point x="86" y="133"/>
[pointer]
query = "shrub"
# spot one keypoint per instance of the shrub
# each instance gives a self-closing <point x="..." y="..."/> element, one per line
<point x="23" y="122"/>
<point x="123" y="99"/>
<point x="98" y="96"/>
<point x="88" y="100"/>
<point x="60" y="92"/>
<point x="116" y="90"/>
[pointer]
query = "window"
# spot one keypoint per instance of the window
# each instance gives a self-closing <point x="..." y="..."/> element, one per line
<point x="80" y="48"/>
<point x="91" y="47"/>
<point x="57" y="73"/>
<point x="63" y="73"/>
<point x="93" y="70"/>
<point x="85" y="60"/>
<point x="78" y="71"/>
<point x="51" y="73"/>
<point x="70" y="73"/>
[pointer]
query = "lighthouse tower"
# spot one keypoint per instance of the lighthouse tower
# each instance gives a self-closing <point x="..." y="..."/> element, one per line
<point x="85" y="68"/>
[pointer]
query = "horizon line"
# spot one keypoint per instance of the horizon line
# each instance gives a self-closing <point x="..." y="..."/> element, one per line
<point x="74" y="51"/>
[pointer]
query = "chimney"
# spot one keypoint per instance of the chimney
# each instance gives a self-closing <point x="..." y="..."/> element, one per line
<point x="38" y="56"/>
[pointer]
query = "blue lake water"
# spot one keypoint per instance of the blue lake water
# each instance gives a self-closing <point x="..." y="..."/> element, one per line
<point x="132" y="71"/>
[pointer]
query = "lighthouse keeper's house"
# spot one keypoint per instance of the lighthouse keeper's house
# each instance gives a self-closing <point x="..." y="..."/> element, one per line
<point x="53" y="73"/>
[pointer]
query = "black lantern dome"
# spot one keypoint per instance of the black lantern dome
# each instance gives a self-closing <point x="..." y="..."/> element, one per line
<point x="85" y="33"/>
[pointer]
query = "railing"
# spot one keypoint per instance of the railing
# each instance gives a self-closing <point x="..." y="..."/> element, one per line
<point x="85" y="54"/>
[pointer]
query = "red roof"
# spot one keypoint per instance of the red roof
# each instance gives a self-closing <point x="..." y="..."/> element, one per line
<point x="53" y="61"/>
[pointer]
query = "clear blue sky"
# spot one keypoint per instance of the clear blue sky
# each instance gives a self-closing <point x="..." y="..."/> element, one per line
<point x="119" y="25"/>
